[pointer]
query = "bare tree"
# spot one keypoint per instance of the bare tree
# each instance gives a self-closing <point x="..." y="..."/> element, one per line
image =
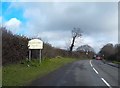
<point x="76" y="32"/>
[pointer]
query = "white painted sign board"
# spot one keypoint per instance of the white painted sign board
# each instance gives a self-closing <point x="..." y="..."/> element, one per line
<point x="35" y="44"/>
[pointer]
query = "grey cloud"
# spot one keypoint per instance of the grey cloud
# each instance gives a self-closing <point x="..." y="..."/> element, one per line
<point x="51" y="20"/>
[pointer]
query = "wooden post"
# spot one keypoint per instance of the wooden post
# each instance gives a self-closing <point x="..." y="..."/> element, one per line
<point x="29" y="55"/>
<point x="40" y="55"/>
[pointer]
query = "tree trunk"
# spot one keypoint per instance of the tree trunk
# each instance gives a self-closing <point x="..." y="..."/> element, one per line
<point x="72" y="45"/>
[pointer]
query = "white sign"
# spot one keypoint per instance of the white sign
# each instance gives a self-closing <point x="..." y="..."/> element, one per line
<point x="35" y="44"/>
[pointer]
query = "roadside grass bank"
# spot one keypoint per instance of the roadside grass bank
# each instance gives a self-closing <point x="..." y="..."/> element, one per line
<point x="116" y="62"/>
<point x="22" y="73"/>
<point x="0" y="76"/>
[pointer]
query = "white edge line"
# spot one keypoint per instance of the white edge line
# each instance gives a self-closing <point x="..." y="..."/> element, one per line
<point x="95" y="70"/>
<point x="106" y="82"/>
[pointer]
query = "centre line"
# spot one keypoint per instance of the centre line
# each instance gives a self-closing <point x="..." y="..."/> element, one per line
<point x="95" y="70"/>
<point x="91" y="64"/>
<point x="106" y="82"/>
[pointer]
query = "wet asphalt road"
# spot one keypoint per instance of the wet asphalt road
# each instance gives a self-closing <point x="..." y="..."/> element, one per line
<point x="81" y="73"/>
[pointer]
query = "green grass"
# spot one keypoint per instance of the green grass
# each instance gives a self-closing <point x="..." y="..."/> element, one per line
<point x="0" y="76"/>
<point x="116" y="62"/>
<point x="20" y="74"/>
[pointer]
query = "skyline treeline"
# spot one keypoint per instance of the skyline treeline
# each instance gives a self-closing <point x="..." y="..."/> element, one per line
<point x="110" y="52"/>
<point x="15" y="49"/>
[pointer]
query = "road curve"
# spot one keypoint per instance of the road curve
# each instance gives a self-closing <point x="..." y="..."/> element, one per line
<point x="81" y="73"/>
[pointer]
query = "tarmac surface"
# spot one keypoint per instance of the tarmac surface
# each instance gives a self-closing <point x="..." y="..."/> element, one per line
<point x="81" y="73"/>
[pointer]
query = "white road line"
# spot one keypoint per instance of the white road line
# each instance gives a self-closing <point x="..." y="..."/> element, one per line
<point x="95" y="70"/>
<point x="93" y="67"/>
<point x="91" y="64"/>
<point x="101" y="78"/>
<point x="106" y="82"/>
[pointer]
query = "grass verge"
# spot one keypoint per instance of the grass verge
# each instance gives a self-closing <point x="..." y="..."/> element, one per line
<point x="0" y="76"/>
<point x="116" y="62"/>
<point x="21" y="74"/>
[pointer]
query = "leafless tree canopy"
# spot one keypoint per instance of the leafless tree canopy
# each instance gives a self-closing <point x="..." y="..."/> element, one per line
<point x="76" y="32"/>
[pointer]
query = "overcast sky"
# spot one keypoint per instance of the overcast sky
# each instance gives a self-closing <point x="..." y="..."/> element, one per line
<point x="53" y="21"/>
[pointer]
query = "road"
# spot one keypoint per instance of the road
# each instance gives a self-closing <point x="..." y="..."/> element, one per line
<point x="81" y="73"/>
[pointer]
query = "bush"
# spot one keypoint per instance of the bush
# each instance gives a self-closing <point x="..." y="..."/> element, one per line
<point x="15" y="49"/>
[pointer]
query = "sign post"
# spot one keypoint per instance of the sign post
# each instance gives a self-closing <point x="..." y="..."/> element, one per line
<point x="35" y="44"/>
<point x="29" y="55"/>
<point x="40" y="55"/>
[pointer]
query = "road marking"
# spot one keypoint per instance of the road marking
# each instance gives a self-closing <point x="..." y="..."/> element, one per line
<point x="93" y="67"/>
<point x="106" y="82"/>
<point x="91" y="64"/>
<point x="101" y="78"/>
<point x="95" y="70"/>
